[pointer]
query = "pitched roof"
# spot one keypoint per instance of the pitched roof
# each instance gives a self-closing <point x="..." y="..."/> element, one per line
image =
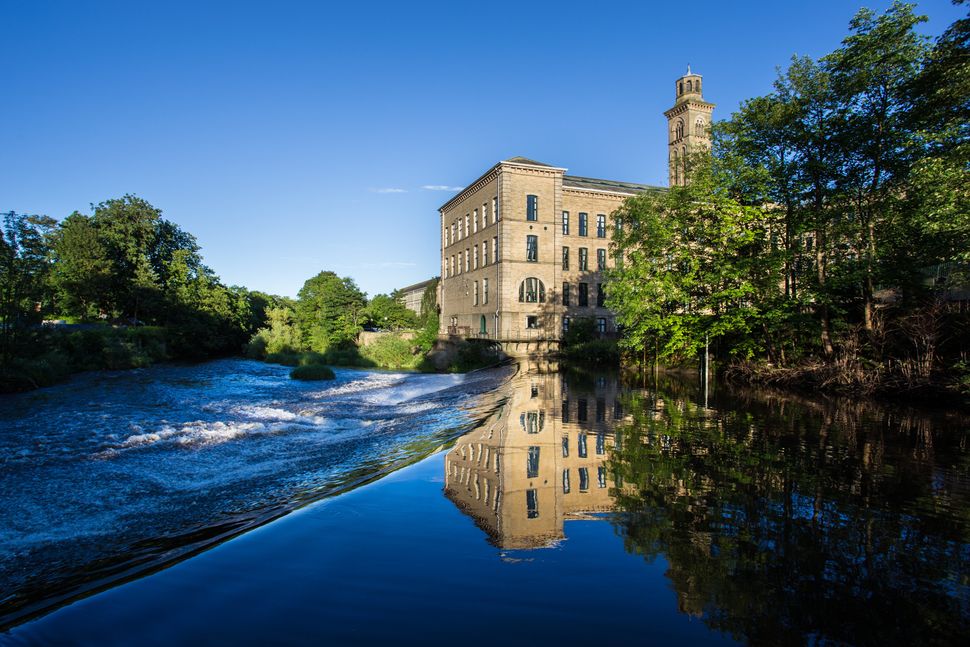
<point x="612" y="186"/>
<point x="525" y="160"/>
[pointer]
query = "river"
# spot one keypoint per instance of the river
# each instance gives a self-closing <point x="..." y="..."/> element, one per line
<point x="567" y="506"/>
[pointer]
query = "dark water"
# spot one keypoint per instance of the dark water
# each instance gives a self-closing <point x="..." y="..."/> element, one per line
<point x="114" y="474"/>
<point x="578" y="508"/>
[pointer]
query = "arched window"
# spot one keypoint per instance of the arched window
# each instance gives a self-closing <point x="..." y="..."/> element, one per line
<point x="532" y="290"/>
<point x="697" y="86"/>
<point x="699" y="128"/>
<point x="679" y="129"/>
<point x="689" y="88"/>
<point x="681" y="88"/>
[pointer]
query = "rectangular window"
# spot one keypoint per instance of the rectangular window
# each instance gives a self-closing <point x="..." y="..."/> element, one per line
<point x="565" y="223"/>
<point x="532" y="248"/>
<point x="565" y="329"/>
<point x="476" y="257"/>
<point x="468" y="257"/>
<point x="565" y="258"/>
<point x="447" y="237"/>
<point x="484" y="215"/>
<point x="454" y="233"/>
<point x="565" y="298"/>
<point x="617" y="410"/>
<point x="601" y="476"/>
<point x="581" y="413"/>
<point x="459" y="229"/>
<point x="601" y="325"/>
<point x="565" y="418"/>
<point x="446" y="269"/>
<point x="583" y="294"/>
<point x="495" y="256"/>
<point x="468" y="231"/>
<point x="485" y="291"/>
<point x="475" y="302"/>
<point x="565" y="479"/>
<point x="532" y="504"/>
<point x="600" y="417"/>
<point x="475" y="221"/>
<point x="532" y="322"/>
<point x="601" y="259"/>
<point x="600" y="296"/>
<point x="494" y="210"/>
<point x="531" y="207"/>
<point x="453" y="271"/>
<point x="601" y="225"/>
<point x="582" y="224"/>
<point x="583" y="259"/>
<point x="532" y="470"/>
<point x="583" y="479"/>
<point x="581" y="445"/>
<point x="484" y="253"/>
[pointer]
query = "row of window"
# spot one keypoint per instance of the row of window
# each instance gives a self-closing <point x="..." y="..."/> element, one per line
<point x="582" y="410"/>
<point x="583" y="479"/>
<point x="471" y="259"/>
<point x="582" y="294"/>
<point x="600" y="325"/>
<point x="484" y="294"/>
<point x="462" y="228"/>
<point x="583" y="226"/>
<point x="584" y="259"/>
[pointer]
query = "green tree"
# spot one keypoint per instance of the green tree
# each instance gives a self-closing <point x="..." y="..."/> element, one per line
<point x="330" y="311"/>
<point x="25" y="249"/>
<point x="389" y="312"/>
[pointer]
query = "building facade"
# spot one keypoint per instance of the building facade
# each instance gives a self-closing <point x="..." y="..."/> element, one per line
<point x="524" y="248"/>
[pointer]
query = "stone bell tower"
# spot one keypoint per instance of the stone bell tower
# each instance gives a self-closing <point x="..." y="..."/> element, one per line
<point x="688" y="126"/>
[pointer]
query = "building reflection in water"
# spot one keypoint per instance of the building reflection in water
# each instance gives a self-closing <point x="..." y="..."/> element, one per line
<point x="541" y="460"/>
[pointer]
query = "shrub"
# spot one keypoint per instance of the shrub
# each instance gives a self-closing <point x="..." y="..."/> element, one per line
<point x="312" y="372"/>
<point x="391" y="351"/>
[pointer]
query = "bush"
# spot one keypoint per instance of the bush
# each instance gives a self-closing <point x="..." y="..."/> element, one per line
<point x="391" y="351"/>
<point x="312" y="372"/>
<point x="596" y="351"/>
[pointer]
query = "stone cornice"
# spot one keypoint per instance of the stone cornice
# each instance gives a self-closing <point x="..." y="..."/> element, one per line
<point x="491" y="173"/>
<point x="596" y="193"/>
<point x="681" y="108"/>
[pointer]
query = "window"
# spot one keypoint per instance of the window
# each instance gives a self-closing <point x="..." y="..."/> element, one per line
<point x="495" y="257"/>
<point x="617" y="410"/>
<point x="565" y="223"/>
<point x="532" y="248"/>
<point x="601" y="325"/>
<point x="688" y="86"/>
<point x="600" y="296"/>
<point x="582" y="224"/>
<point x="467" y="230"/>
<point x="600" y="444"/>
<point x="532" y="504"/>
<point x="565" y="418"/>
<point x="601" y="225"/>
<point x="565" y="258"/>
<point x="583" y="294"/>
<point x="565" y="477"/>
<point x="581" y="444"/>
<point x="483" y="329"/>
<point x="533" y="421"/>
<point x="583" y="259"/>
<point x="494" y="210"/>
<point x="484" y="252"/>
<point x="454" y="232"/>
<point x="565" y="329"/>
<point x="601" y="259"/>
<point x="699" y="128"/>
<point x="532" y="322"/>
<point x="532" y="290"/>
<point x="679" y="130"/>
<point x="581" y="417"/>
<point x="468" y="258"/>
<point x="459" y="229"/>
<point x="475" y="301"/>
<point x="485" y="291"/>
<point x="476" y="257"/>
<point x="475" y="222"/>
<point x="453" y="265"/>
<point x="531" y="207"/>
<point x="532" y="466"/>
<point x="447" y="239"/>
<point x="484" y="215"/>
<point x="583" y="479"/>
<point x="600" y="417"/>
<point x="601" y="476"/>
<point x="565" y="298"/>
<point x="446" y="268"/>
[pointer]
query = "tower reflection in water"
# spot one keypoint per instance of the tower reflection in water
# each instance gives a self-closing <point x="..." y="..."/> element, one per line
<point x="541" y="460"/>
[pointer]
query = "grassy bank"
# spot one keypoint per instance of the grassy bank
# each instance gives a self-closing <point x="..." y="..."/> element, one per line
<point x="48" y="356"/>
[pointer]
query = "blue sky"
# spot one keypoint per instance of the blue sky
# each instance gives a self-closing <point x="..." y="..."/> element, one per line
<point x="294" y="137"/>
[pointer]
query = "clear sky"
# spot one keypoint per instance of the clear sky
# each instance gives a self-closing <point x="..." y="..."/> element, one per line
<point x="294" y="137"/>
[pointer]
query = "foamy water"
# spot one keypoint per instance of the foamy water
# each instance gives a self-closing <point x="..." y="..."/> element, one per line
<point x="101" y="467"/>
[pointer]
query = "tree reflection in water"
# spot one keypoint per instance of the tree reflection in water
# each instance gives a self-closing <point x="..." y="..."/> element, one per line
<point x="794" y="521"/>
